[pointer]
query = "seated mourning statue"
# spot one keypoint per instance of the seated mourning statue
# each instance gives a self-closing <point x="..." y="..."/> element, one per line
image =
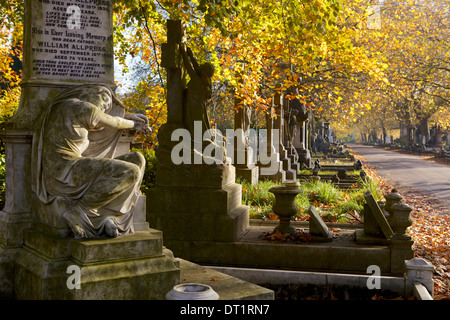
<point x="74" y="171"/>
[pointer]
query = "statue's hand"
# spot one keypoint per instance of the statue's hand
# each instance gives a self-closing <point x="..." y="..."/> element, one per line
<point x="141" y="126"/>
<point x="136" y="117"/>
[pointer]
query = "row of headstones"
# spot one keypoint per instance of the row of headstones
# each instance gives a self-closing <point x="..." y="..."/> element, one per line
<point x="287" y="141"/>
<point x="412" y="138"/>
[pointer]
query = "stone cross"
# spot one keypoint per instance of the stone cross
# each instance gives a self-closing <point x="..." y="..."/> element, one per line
<point x="171" y="59"/>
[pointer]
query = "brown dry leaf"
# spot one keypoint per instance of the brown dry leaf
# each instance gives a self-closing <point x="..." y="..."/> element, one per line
<point x="273" y="216"/>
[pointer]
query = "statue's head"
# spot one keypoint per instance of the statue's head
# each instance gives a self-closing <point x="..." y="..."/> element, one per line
<point x="207" y="70"/>
<point x="99" y="95"/>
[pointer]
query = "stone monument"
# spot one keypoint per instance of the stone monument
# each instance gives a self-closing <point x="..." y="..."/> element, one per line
<point x="193" y="200"/>
<point x="290" y="114"/>
<point x="69" y="221"/>
<point x="272" y="169"/>
<point x="243" y="153"/>
<point x="279" y="124"/>
<point x="301" y="143"/>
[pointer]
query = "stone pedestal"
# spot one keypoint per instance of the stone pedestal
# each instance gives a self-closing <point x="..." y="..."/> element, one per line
<point x="16" y="216"/>
<point x="276" y="172"/>
<point x="128" y="267"/>
<point x="249" y="174"/>
<point x="304" y="158"/>
<point x="197" y="203"/>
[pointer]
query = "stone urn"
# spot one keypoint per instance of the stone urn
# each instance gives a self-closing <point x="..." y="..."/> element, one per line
<point x="400" y="220"/>
<point x="192" y="291"/>
<point x="392" y="197"/>
<point x="285" y="206"/>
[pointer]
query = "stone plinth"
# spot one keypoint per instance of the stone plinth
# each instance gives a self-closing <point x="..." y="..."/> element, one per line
<point x="17" y="214"/>
<point x="249" y="174"/>
<point x="197" y="202"/>
<point x="127" y="267"/>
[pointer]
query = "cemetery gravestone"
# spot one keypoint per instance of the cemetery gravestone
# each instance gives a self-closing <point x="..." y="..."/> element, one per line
<point x="317" y="228"/>
<point x="192" y="201"/>
<point x="376" y="227"/>
<point x="68" y="47"/>
<point x="65" y="44"/>
<point x="279" y="124"/>
<point x="243" y="152"/>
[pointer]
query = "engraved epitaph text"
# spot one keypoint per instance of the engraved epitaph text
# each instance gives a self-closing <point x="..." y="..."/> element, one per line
<point x="72" y="40"/>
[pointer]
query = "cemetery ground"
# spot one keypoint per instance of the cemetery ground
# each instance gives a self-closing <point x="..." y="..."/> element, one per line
<point x="431" y="222"/>
<point x="430" y="229"/>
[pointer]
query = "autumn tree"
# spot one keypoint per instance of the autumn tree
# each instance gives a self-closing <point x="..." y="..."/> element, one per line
<point x="413" y="43"/>
<point x="10" y="56"/>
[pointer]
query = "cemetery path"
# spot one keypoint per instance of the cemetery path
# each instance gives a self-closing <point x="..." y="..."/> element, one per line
<point x="409" y="172"/>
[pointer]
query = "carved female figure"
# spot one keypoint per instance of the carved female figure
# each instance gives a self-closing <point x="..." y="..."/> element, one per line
<point x="73" y="162"/>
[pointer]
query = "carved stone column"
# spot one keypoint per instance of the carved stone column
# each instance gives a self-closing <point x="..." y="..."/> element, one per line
<point x="16" y="216"/>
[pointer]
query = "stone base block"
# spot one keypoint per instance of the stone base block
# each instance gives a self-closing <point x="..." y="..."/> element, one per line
<point x="368" y="239"/>
<point x="7" y="264"/>
<point x="203" y="214"/>
<point x="265" y="171"/>
<point x="128" y="267"/>
<point x="400" y="252"/>
<point x="251" y="175"/>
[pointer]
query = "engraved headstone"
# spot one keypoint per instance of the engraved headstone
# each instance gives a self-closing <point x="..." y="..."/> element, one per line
<point x="376" y="227"/>
<point x="65" y="43"/>
<point x="317" y="228"/>
<point x="68" y="45"/>
<point x="70" y="40"/>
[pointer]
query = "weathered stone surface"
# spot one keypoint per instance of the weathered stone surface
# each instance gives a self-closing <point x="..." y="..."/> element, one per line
<point x="128" y="267"/>
<point x="191" y="201"/>
<point x="318" y="228"/>
<point x="376" y="227"/>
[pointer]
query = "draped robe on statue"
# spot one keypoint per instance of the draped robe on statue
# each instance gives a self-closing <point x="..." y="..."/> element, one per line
<point x="74" y="167"/>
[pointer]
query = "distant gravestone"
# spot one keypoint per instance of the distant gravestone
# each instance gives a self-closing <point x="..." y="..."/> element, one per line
<point x="68" y="47"/>
<point x="317" y="228"/>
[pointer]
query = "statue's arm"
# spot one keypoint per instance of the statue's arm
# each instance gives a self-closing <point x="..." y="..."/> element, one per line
<point x="187" y="64"/>
<point x="105" y="120"/>
<point x="193" y="60"/>
<point x="142" y="123"/>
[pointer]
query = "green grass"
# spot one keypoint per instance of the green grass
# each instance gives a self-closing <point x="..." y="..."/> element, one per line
<point x="332" y="204"/>
<point x="329" y="172"/>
